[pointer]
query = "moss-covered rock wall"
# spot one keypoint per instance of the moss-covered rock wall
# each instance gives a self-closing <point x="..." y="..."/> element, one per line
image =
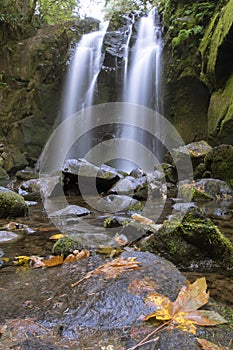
<point x="31" y="75"/>
<point x="198" y="68"/>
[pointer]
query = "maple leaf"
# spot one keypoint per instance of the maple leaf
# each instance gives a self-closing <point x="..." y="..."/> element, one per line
<point x="207" y="345"/>
<point x="183" y="313"/>
<point x="112" y="268"/>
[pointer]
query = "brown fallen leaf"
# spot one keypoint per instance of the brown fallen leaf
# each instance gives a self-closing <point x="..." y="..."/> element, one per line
<point x="54" y="260"/>
<point x="120" y="239"/>
<point x="207" y="345"/>
<point x="112" y="269"/>
<point x="142" y="219"/>
<point x="183" y="313"/>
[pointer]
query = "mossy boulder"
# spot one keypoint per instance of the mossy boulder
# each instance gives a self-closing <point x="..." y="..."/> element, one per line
<point x="219" y="163"/>
<point x="64" y="246"/>
<point x="193" y="236"/>
<point x="11" y="204"/>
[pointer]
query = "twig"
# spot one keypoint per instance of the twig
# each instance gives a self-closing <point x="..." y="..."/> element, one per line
<point x="144" y="340"/>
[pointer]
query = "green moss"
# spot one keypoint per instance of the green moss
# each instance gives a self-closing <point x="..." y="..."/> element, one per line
<point x="193" y="194"/>
<point x="64" y="246"/>
<point x="12" y="205"/>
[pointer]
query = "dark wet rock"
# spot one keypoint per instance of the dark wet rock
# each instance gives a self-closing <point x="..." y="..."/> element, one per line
<point x="206" y="189"/>
<point x="116" y="203"/>
<point x="195" y="151"/>
<point x="219" y="163"/>
<point x="133" y="187"/>
<point x="79" y="175"/>
<point x="8" y="236"/>
<point x="188" y="237"/>
<point x="97" y="311"/>
<point x="26" y="174"/>
<point x="137" y="172"/>
<point x="11" y="204"/>
<point x="44" y="187"/>
<point x="70" y="211"/>
<point x="169" y="172"/>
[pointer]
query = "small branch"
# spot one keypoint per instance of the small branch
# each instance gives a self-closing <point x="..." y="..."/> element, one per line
<point x="145" y="340"/>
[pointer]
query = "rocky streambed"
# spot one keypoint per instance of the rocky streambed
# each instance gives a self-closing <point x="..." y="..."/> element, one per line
<point x="131" y="216"/>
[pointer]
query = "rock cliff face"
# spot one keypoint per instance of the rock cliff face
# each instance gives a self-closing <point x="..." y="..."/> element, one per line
<point x="32" y="71"/>
<point x="199" y="69"/>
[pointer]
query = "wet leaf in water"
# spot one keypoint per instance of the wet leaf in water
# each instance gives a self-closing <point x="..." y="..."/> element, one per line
<point x="110" y="251"/>
<point x="22" y="260"/>
<point x="207" y="345"/>
<point x="142" y="219"/>
<point x="57" y="236"/>
<point x="183" y="311"/>
<point x="112" y="269"/>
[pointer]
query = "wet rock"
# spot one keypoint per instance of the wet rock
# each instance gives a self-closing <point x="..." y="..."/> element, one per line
<point x="195" y="150"/>
<point x="26" y="174"/>
<point x="11" y="204"/>
<point x="70" y="211"/>
<point x="206" y="189"/>
<point x="80" y="174"/>
<point x="44" y="187"/>
<point x="133" y="187"/>
<point x="8" y="236"/>
<point x="114" y="203"/>
<point x="219" y="163"/>
<point x="190" y="235"/>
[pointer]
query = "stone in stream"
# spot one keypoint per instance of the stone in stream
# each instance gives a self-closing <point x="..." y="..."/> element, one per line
<point x="114" y="203"/>
<point x="8" y="236"/>
<point x="70" y="211"/>
<point x="11" y="204"/>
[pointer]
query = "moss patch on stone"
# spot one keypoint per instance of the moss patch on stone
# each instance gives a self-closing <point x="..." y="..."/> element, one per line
<point x="64" y="246"/>
<point x="12" y="204"/>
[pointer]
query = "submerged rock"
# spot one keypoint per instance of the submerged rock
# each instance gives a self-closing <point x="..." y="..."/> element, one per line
<point x="11" y="204"/>
<point x="70" y="211"/>
<point x="7" y="236"/>
<point x="114" y="203"/>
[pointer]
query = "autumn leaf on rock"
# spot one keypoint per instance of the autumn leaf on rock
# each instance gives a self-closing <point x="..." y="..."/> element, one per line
<point x="137" y="287"/>
<point x="77" y="256"/>
<point x="183" y="313"/>
<point x="207" y="345"/>
<point x="112" y="268"/>
<point x="54" y="260"/>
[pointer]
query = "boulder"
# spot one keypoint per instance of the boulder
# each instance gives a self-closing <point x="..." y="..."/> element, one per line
<point x="116" y="203"/>
<point x="79" y="175"/>
<point x="186" y="237"/>
<point x="45" y="187"/>
<point x="11" y="204"/>
<point x="70" y="211"/>
<point x="219" y="163"/>
<point x="8" y="236"/>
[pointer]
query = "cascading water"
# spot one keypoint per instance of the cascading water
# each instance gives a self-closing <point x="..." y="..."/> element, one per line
<point x="142" y="86"/>
<point x="84" y="69"/>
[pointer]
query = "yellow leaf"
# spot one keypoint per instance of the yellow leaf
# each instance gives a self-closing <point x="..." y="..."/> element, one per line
<point x="57" y="236"/>
<point x="183" y="311"/>
<point x="5" y="259"/>
<point x="54" y="261"/>
<point x="22" y="260"/>
<point x="207" y="345"/>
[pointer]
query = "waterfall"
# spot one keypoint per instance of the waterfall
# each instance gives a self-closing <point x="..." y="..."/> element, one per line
<point x="143" y="82"/>
<point x="83" y="72"/>
<point x="142" y="87"/>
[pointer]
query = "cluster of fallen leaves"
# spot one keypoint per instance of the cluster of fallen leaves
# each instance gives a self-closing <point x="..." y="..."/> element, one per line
<point x="51" y="261"/>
